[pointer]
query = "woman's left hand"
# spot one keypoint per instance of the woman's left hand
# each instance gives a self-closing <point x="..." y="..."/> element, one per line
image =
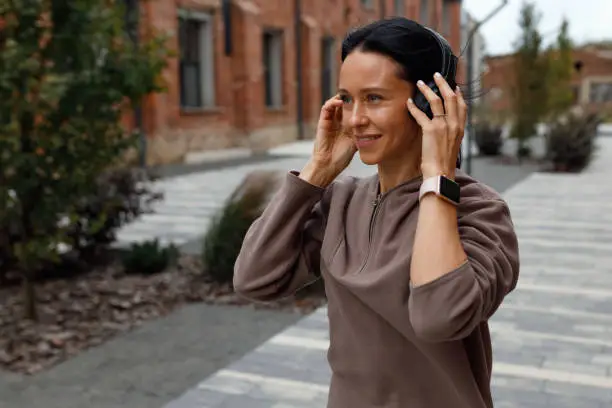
<point x="443" y="134"/>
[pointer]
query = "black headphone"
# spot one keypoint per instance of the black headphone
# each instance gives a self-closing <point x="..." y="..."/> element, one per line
<point x="449" y="70"/>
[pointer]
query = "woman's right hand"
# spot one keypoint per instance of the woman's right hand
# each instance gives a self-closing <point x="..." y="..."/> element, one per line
<point x="333" y="148"/>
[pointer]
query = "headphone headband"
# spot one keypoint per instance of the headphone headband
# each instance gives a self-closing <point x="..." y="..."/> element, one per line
<point x="449" y="60"/>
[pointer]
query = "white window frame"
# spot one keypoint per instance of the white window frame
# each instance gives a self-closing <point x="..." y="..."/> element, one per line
<point x="206" y="55"/>
<point x="276" y="67"/>
<point x="597" y="88"/>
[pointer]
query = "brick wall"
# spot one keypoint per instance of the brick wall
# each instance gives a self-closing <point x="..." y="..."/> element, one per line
<point x="239" y="116"/>
<point x="498" y="80"/>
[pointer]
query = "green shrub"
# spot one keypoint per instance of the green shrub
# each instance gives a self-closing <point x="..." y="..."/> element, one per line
<point x="148" y="258"/>
<point x="68" y="75"/>
<point x="223" y="240"/>
<point x="570" y="142"/>
<point x="120" y="195"/>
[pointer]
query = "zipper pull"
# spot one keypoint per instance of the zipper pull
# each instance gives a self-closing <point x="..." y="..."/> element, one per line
<point x="376" y="201"/>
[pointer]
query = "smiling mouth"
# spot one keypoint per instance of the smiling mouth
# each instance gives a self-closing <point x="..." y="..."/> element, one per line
<point x="366" y="138"/>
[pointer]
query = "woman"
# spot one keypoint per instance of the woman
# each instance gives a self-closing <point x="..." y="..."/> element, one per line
<point x="411" y="275"/>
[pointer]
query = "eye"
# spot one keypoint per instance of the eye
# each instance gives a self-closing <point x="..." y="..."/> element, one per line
<point x="345" y="98"/>
<point x="373" y="98"/>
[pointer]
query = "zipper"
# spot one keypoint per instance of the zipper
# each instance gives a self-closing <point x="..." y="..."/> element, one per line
<point x="376" y="206"/>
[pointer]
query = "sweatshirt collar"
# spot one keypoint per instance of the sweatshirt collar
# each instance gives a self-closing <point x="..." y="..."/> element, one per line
<point x="409" y="186"/>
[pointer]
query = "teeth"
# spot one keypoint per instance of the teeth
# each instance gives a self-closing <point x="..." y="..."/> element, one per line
<point x="368" y="138"/>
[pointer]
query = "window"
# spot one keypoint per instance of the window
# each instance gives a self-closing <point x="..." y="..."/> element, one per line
<point x="399" y="8"/>
<point x="367" y="3"/>
<point x="197" y="78"/>
<point x="600" y="92"/>
<point x="273" y="67"/>
<point x="328" y="68"/>
<point x="424" y="12"/>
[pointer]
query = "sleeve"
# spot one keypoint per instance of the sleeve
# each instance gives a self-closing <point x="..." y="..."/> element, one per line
<point x="280" y="253"/>
<point x="452" y="306"/>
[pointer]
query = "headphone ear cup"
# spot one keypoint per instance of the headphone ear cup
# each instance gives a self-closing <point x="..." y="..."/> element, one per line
<point x="459" y="158"/>
<point x="421" y="101"/>
<point x="423" y="104"/>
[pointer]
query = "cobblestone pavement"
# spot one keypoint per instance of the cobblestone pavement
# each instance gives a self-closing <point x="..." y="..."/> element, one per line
<point x="552" y="337"/>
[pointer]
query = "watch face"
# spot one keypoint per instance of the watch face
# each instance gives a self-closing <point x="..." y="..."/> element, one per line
<point x="449" y="189"/>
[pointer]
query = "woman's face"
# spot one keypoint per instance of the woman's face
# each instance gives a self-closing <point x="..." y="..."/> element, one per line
<point x="375" y="112"/>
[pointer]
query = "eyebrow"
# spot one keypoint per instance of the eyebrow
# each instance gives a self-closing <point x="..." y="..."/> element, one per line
<point x="370" y="89"/>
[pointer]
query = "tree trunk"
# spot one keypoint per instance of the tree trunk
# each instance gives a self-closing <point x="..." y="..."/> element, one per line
<point x="29" y="298"/>
<point x="29" y="198"/>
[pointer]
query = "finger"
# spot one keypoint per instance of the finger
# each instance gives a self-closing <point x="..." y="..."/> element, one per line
<point x="418" y="115"/>
<point x="434" y="100"/>
<point x="328" y="110"/>
<point x="450" y="99"/>
<point x="338" y="114"/>
<point x="462" y="110"/>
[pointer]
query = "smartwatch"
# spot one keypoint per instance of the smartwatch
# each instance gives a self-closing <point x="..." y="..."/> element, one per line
<point x="441" y="186"/>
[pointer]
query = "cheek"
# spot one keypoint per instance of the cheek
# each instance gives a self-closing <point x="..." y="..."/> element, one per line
<point x="395" y="120"/>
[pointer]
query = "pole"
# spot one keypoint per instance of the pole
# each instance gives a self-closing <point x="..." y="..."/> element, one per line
<point x="298" y="68"/>
<point x="470" y="79"/>
<point x="470" y="127"/>
<point x="227" y="22"/>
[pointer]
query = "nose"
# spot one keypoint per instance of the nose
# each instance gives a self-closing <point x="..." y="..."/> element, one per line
<point x="358" y="117"/>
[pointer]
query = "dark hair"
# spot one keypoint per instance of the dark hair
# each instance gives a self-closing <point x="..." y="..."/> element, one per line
<point x="414" y="47"/>
<point x="419" y="51"/>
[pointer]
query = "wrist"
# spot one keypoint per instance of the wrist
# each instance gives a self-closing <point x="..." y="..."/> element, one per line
<point x="430" y="170"/>
<point x="316" y="174"/>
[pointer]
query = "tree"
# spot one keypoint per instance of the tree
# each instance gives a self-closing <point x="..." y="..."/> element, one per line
<point x="560" y="69"/>
<point x="529" y="93"/>
<point x="68" y="74"/>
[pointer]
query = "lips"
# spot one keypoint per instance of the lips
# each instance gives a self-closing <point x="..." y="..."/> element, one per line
<point x="366" y="140"/>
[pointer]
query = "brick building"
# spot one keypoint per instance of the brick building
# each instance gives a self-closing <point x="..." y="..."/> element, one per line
<point x="236" y="80"/>
<point x="591" y="82"/>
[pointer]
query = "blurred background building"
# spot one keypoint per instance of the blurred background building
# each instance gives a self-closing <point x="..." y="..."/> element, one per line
<point x="254" y="73"/>
<point x="591" y="80"/>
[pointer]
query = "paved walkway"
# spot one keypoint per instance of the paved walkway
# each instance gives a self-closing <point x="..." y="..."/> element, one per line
<point x="192" y="199"/>
<point x="156" y="363"/>
<point x="552" y="337"/>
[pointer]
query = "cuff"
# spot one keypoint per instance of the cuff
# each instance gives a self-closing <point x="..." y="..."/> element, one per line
<point x="299" y="190"/>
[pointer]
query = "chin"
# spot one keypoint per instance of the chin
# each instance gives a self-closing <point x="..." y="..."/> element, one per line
<point x="369" y="158"/>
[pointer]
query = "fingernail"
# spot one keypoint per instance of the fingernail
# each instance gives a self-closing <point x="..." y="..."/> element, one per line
<point x="410" y="100"/>
<point x="437" y="75"/>
<point x="458" y="89"/>
<point x="420" y="83"/>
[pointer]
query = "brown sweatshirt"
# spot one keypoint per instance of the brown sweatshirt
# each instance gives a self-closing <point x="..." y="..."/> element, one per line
<point x="391" y="345"/>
